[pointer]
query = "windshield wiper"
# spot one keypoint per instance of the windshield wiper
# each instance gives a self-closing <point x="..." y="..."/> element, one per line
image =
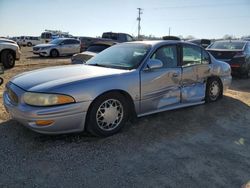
<point x="98" y="65"/>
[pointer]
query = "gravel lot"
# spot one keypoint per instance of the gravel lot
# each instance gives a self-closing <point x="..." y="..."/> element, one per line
<point x="201" y="146"/>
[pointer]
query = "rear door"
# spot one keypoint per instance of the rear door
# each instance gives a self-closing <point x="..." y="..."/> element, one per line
<point x="66" y="47"/>
<point x="195" y="70"/>
<point x="160" y="87"/>
<point x="76" y="47"/>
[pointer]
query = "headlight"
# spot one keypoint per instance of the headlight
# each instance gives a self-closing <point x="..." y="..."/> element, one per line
<point x="44" y="48"/>
<point x="42" y="99"/>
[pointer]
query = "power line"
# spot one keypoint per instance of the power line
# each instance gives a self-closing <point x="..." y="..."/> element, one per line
<point x="200" y="6"/>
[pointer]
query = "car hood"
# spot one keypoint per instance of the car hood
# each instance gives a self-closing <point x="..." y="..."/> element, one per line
<point x="45" y="45"/>
<point x="7" y="41"/>
<point x="49" y="78"/>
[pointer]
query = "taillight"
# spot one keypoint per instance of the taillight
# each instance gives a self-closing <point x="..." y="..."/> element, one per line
<point x="239" y="54"/>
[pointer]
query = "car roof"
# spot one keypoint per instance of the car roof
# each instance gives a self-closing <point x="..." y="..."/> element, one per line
<point x="161" y="42"/>
<point x="231" y="41"/>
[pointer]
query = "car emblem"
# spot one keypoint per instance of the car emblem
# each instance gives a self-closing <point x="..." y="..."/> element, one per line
<point x="219" y="53"/>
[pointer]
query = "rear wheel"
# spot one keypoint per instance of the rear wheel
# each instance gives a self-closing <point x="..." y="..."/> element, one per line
<point x="54" y="53"/>
<point x="8" y="59"/>
<point x="107" y="114"/>
<point x="29" y="44"/>
<point x="214" y="90"/>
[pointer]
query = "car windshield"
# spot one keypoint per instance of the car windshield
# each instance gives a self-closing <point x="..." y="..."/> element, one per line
<point x="121" y="56"/>
<point x="228" y="45"/>
<point x="56" y="41"/>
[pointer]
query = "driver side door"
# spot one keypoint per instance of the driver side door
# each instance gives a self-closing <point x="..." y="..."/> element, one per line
<point x="160" y="87"/>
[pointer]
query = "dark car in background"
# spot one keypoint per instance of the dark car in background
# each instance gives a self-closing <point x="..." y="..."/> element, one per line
<point x="201" y="42"/>
<point x="91" y="51"/>
<point x="86" y="42"/>
<point x="234" y="52"/>
<point x="118" y="37"/>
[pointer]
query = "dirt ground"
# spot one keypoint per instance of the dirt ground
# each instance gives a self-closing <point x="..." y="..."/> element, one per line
<point x="201" y="146"/>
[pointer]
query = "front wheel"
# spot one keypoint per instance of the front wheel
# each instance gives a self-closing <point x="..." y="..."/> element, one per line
<point x="214" y="90"/>
<point x="8" y="59"/>
<point x="54" y="53"/>
<point x="107" y="114"/>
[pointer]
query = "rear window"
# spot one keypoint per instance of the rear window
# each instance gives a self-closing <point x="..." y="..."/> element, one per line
<point x="97" y="48"/>
<point x="112" y="36"/>
<point x="228" y="45"/>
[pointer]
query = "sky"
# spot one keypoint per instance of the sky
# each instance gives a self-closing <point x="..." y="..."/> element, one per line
<point x="199" y="18"/>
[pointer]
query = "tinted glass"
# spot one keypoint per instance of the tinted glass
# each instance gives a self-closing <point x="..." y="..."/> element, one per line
<point x="167" y="55"/>
<point x="227" y="45"/>
<point x="205" y="57"/>
<point x="191" y="55"/>
<point x="121" y="56"/>
<point x="248" y="49"/>
<point x="97" y="48"/>
<point x="56" y="41"/>
<point x="129" y="38"/>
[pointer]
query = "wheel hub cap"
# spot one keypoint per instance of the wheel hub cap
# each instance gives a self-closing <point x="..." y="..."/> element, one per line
<point x="109" y="115"/>
<point x="214" y="90"/>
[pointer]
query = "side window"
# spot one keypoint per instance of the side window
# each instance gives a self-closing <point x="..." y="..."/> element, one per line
<point x="67" y="42"/>
<point x="129" y="38"/>
<point x="248" y="48"/>
<point x="76" y="42"/>
<point x="167" y="55"/>
<point x="191" y="55"/>
<point x="205" y="57"/>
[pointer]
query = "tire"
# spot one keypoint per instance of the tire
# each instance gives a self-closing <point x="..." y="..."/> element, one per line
<point x="54" y="53"/>
<point x="1" y="81"/>
<point x="8" y="59"/>
<point x="107" y="115"/>
<point x="214" y="90"/>
<point x="29" y="44"/>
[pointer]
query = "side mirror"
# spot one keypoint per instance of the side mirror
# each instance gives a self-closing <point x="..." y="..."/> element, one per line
<point x="154" y="64"/>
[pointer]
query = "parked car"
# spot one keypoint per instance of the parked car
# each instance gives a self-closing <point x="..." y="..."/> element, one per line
<point x="58" y="47"/>
<point x="9" y="52"/>
<point x="91" y="51"/>
<point x="170" y="38"/>
<point x="236" y="53"/>
<point x="118" y="37"/>
<point x="129" y="78"/>
<point x="86" y="42"/>
<point x="201" y="42"/>
<point x="29" y="41"/>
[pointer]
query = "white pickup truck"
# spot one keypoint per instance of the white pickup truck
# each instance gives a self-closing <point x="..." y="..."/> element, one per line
<point x="9" y="52"/>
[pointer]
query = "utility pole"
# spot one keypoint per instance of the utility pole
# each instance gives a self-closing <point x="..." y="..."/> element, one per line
<point x="139" y="21"/>
<point x="169" y="30"/>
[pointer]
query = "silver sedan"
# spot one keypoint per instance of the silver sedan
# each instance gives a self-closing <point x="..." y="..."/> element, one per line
<point x="138" y="78"/>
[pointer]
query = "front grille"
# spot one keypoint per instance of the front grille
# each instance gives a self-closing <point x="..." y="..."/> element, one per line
<point x="12" y="96"/>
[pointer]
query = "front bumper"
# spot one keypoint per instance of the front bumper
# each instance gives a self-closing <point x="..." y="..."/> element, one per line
<point x="42" y="52"/>
<point x="18" y="54"/>
<point x="67" y="118"/>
